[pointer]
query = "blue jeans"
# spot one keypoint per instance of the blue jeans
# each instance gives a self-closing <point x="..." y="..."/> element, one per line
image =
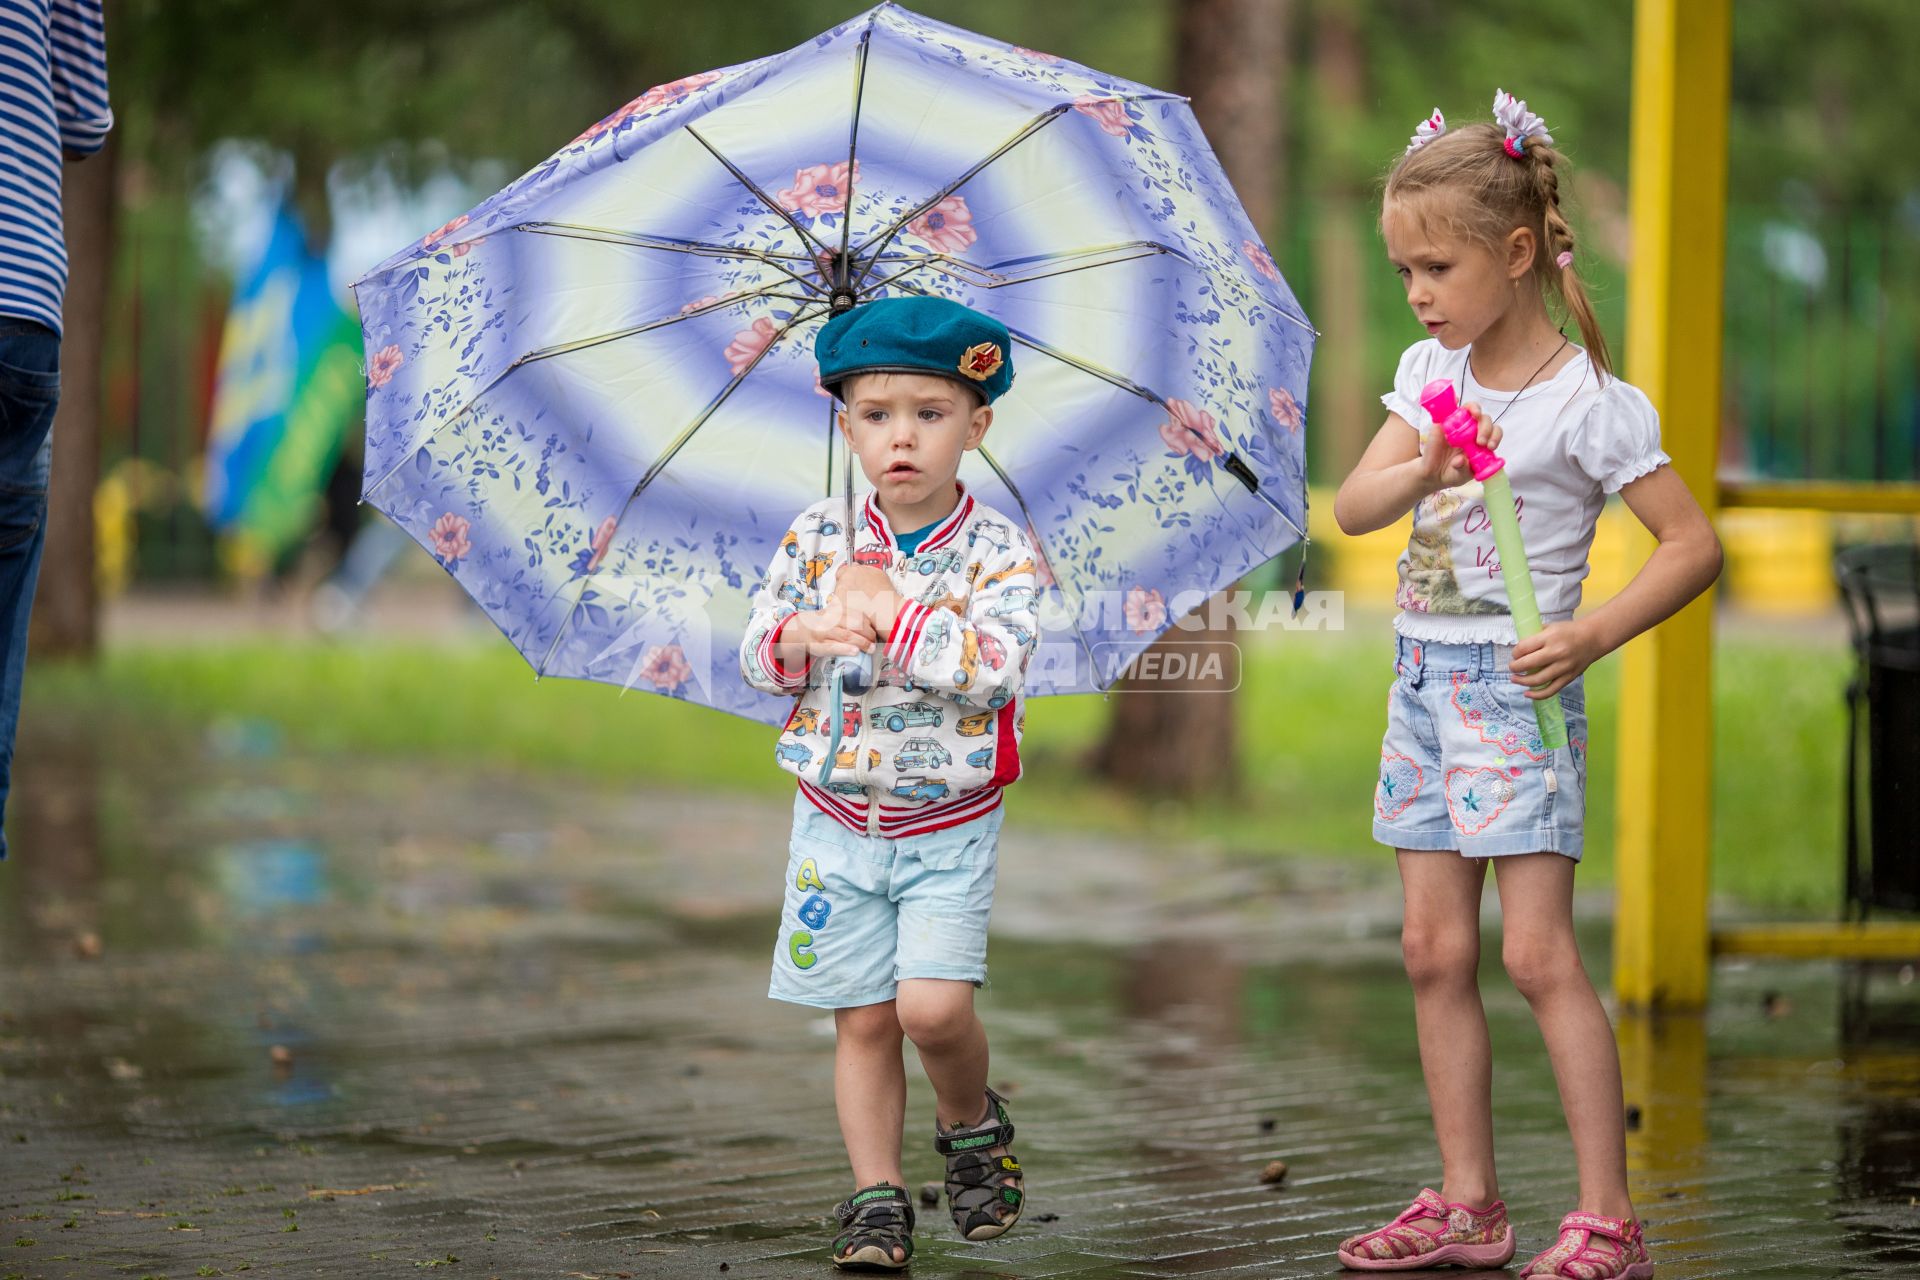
<point x="29" y="390"/>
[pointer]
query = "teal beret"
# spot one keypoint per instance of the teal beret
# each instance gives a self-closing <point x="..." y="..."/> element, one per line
<point x="917" y="335"/>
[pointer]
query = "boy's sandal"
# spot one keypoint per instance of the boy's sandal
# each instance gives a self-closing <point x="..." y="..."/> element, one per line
<point x="984" y="1193"/>
<point x="1592" y="1247"/>
<point x="874" y="1222"/>
<point x="1466" y="1237"/>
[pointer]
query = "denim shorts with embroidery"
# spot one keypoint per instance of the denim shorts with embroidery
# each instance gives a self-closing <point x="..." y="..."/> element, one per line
<point x="1463" y="767"/>
<point x="862" y="912"/>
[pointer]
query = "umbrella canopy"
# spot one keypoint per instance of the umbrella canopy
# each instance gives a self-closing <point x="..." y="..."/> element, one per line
<point x="593" y="398"/>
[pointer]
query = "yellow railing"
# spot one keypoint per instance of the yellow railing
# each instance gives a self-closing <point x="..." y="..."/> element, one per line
<point x="1885" y="499"/>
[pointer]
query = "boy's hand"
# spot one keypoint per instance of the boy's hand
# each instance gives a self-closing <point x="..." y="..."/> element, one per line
<point x="1444" y="467"/>
<point x="1553" y="658"/>
<point x="868" y="592"/>
<point x="833" y="630"/>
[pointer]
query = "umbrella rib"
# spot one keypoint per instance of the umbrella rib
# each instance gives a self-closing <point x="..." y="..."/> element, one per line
<point x="921" y="265"/>
<point x="713" y="406"/>
<point x="1033" y="526"/>
<point x="1067" y="271"/>
<point x="1085" y="366"/>
<point x="1132" y="249"/>
<point x="990" y="278"/>
<point x="693" y="248"/>
<point x="1067" y="255"/>
<point x="974" y="273"/>
<point x="806" y="236"/>
<point x="1218" y="278"/>
<point x="1277" y="510"/>
<point x="1105" y="375"/>
<point x="545" y="353"/>
<point x="853" y="139"/>
<point x="705" y="416"/>
<point x="885" y="235"/>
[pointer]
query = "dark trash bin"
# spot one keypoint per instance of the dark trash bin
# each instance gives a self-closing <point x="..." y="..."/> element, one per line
<point x="1881" y="587"/>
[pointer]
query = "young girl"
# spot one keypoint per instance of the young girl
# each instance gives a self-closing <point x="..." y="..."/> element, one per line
<point x="1473" y="226"/>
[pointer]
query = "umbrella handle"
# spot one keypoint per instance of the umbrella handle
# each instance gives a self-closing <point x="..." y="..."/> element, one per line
<point x="833" y="741"/>
<point x="853" y="673"/>
<point x="850" y="675"/>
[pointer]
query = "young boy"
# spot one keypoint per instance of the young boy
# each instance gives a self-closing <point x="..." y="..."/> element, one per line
<point x="891" y="872"/>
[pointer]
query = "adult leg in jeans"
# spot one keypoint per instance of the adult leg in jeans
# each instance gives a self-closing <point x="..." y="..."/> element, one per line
<point x="29" y="390"/>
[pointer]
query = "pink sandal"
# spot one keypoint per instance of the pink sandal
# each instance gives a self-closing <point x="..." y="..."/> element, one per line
<point x="1577" y="1255"/>
<point x="1470" y="1238"/>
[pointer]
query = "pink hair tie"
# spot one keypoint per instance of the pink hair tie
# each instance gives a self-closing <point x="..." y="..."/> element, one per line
<point x="1565" y="259"/>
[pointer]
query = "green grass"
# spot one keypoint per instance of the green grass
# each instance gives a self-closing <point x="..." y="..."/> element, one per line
<point x="1311" y="712"/>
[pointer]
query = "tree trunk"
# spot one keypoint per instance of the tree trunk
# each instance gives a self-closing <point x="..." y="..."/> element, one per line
<point x="1341" y="393"/>
<point x="66" y="605"/>
<point x="1180" y="738"/>
<point x="1230" y="58"/>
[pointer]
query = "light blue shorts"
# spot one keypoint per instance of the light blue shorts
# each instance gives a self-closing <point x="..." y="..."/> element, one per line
<point x="863" y="912"/>
<point x="1463" y="767"/>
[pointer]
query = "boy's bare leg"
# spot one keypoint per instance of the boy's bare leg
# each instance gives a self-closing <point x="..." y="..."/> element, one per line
<point x="870" y="1090"/>
<point x="937" y="1015"/>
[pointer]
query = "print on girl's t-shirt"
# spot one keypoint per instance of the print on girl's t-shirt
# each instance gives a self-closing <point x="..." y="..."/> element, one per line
<point x="1429" y="582"/>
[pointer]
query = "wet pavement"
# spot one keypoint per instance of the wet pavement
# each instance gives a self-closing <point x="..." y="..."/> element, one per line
<point x="298" y="1017"/>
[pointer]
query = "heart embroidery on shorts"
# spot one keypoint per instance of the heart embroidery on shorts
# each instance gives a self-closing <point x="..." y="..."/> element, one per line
<point x="1400" y="780"/>
<point x="1475" y="797"/>
<point x="1478" y="710"/>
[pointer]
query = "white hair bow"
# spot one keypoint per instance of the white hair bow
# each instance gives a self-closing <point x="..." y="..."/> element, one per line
<point x="1430" y="128"/>
<point x="1511" y="114"/>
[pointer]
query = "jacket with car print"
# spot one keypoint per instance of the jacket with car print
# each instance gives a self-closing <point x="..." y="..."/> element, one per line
<point x="936" y="739"/>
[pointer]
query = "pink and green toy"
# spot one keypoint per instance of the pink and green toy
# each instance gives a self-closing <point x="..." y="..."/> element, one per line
<point x="1490" y="469"/>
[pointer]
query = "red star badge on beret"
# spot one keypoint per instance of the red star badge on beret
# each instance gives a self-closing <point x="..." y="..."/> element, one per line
<point x="982" y="361"/>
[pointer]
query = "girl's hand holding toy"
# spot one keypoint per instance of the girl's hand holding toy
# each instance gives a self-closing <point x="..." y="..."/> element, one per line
<point x="1443" y="464"/>
<point x="1554" y="657"/>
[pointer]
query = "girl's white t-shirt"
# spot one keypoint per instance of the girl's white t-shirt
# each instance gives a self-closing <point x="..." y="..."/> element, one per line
<point x="1569" y="441"/>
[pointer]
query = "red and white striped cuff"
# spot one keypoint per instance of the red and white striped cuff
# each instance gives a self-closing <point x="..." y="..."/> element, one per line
<point x="770" y="659"/>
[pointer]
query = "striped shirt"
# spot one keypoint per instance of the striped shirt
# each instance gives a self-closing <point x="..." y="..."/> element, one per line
<point x="53" y="98"/>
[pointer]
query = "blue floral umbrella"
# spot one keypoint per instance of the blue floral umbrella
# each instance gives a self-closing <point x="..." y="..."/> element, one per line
<point x="593" y="397"/>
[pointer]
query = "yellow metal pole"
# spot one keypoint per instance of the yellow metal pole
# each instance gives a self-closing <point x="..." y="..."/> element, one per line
<point x="1675" y="304"/>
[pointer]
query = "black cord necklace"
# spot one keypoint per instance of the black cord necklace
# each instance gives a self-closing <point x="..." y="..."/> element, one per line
<point x="1466" y="368"/>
